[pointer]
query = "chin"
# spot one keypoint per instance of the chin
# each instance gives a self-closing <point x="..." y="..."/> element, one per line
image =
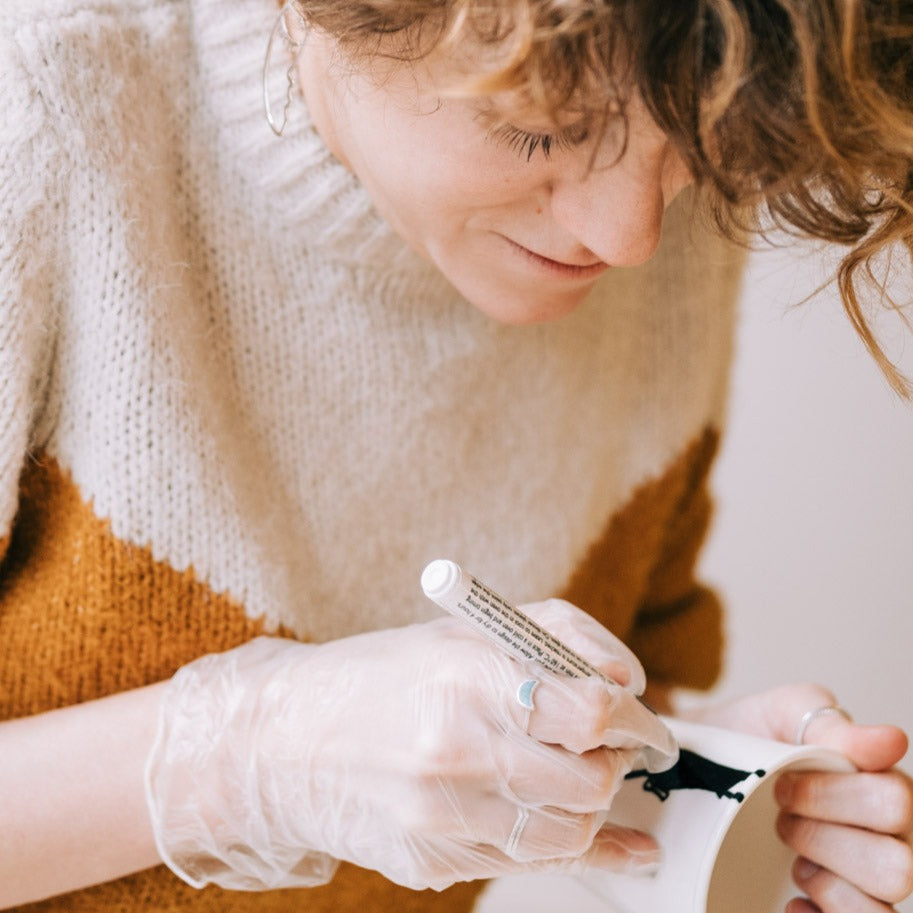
<point x="517" y="310"/>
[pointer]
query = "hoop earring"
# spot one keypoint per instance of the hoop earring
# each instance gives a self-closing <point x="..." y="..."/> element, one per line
<point x="280" y="34"/>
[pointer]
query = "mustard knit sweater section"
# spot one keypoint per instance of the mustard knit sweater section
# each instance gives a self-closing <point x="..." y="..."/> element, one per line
<point x="232" y="401"/>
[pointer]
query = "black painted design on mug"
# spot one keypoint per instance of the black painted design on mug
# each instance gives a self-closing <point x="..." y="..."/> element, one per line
<point x="693" y="771"/>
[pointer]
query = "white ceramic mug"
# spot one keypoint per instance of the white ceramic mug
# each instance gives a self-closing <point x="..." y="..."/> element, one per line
<point x="713" y="815"/>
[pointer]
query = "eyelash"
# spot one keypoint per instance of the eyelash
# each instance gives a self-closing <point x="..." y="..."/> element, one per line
<point x="525" y="143"/>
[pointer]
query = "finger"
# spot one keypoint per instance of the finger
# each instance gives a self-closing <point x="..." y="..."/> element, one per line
<point x="582" y="714"/>
<point x="867" y="747"/>
<point x="576" y="713"/>
<point x="527" y="834"/>
<point x="619" y="849"/>
<point x="801" y="905"/>
<point x="777" y="713"/>
<point x="547" y="775"/>
<point x="877" y="864"/>
<point x="614" y="849"/>
<point x="831" y="894"/>
<point x="549" y="833"/>
<point x="595" y="643"/>
<point x="519" y="831"/>
<point x="870" y="748"/>
<point x="878" y="801"/>
<point x="482" y="804"/>
<point x="774" y="714"/>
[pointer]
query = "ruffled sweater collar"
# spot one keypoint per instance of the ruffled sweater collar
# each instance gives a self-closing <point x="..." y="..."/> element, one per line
<point x="300" y="181"/>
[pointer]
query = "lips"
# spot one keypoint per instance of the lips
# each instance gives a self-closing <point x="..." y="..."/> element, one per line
<point x="581" y="270"/>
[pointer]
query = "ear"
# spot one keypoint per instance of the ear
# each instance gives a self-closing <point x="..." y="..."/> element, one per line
<point x="295" y="22"/>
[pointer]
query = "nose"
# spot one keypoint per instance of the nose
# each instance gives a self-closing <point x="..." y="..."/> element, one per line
<point x="616" y="211"/>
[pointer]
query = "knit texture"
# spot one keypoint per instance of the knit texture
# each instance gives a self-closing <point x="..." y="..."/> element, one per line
<point x="233" y="401"/>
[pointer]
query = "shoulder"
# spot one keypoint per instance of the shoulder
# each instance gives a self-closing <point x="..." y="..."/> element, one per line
<point x="22" y="12"/>
<point x="64" y="48"/>
<point x="77" y="76"/>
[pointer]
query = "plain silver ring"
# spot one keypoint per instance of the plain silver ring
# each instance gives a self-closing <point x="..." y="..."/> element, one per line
<point x="517" y="831"/>
<point x="811" y="715"/>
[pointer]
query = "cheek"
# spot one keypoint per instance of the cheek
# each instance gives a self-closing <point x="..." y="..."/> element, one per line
<point x="431" y="179"/>
<point x="426" y="209"/>
<point x="456" y="167"/>
<point x="438" y="202"/>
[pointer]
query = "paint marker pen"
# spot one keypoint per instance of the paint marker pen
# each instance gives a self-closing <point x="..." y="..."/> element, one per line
<point x="461" y="594"/>
<point x="445" y="583"/>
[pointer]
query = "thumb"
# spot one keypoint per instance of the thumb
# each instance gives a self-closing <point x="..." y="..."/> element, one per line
<point x="819" y="721"/>
<point x="870" y="748"/>
<point x="780" y="712"/>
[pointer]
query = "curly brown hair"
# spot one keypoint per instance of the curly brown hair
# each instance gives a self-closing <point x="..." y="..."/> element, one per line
<point x="803" y="108"/>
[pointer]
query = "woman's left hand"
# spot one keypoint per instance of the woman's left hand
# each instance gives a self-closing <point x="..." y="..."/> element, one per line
<point x="851" y="831"/>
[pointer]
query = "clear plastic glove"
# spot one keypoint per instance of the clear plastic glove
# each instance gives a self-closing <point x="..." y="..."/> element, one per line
<point x="405" y="751"/>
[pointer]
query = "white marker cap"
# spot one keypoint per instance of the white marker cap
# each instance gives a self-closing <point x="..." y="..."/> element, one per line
<point x="440" y="578"/>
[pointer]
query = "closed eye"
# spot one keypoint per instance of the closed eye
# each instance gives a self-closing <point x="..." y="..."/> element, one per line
<point x="526" y="142"/>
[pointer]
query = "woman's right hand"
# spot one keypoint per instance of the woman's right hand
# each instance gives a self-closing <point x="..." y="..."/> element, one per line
<point x="405" y="751"/>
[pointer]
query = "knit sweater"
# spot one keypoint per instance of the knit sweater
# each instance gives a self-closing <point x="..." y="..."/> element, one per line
<point x="233" y="401"/>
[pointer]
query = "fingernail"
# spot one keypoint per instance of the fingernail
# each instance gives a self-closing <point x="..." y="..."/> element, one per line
<point x="805" y="869"/>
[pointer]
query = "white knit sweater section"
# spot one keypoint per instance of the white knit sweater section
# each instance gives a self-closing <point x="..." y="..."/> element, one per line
<point x="245" y="370"/>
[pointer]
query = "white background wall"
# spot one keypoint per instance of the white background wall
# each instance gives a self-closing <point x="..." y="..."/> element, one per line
<point x="812" y="545"/>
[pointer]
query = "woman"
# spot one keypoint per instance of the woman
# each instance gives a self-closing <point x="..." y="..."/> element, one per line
<point x="252" y="385"/>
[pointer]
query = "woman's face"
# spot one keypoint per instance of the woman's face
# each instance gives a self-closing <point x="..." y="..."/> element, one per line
<point x="522" y="232"/>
